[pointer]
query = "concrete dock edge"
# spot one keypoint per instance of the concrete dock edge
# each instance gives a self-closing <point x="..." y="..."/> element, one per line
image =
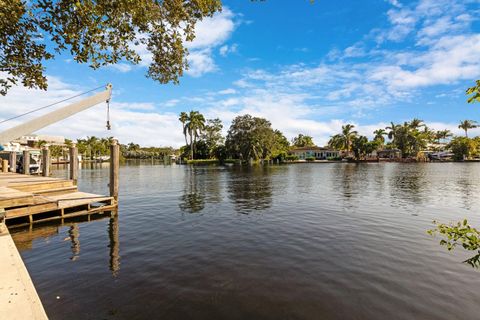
<point x="18" y="297"/>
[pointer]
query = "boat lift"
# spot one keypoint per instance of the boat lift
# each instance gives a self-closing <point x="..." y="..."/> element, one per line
<point x="55" y="116"/>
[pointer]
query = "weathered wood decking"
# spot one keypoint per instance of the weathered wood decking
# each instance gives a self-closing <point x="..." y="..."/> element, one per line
<point x="32" y="199"/>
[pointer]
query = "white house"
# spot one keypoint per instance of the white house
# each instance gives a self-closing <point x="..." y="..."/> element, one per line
<point x="318" y="153"/>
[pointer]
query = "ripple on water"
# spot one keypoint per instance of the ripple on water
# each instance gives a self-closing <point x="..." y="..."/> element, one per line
<point x="330" y="241"/>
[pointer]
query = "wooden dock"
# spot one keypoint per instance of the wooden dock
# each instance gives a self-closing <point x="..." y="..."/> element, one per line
<point x="30" y="199"/>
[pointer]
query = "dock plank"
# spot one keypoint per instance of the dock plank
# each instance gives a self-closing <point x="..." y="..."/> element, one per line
<point x="11" y="197"/>
<point x="27" y="196"/>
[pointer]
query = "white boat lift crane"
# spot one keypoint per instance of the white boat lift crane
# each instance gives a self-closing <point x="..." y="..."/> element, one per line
<point x="36" y="124"/>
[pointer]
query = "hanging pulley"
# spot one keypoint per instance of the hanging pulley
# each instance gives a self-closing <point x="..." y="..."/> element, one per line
<point x="109" y="127"/>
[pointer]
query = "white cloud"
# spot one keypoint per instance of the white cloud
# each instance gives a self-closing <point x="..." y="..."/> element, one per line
<point x="450" y="59"/>
<point x="212" y="32"/>
<point x="228" y="91"/>
<point x="226" y="49"/>
<point x="395" y="3"/>
<point x="122" y="67"/>
<point x="200" y="62"/>
<point x="209" y="34"/>
<point x="171" y="103"/>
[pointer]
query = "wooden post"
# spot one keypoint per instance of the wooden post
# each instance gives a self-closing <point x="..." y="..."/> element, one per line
<point x="74" y="163"/>
<point x="46" y="162"/>
<point x="114" y="167"/>
<point x="26" y="162"/>
<point x="13" y="161"/>
<point x="4" y="166"/>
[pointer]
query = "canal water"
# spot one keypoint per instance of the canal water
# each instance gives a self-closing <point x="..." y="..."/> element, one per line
<point x="304" y="241"/>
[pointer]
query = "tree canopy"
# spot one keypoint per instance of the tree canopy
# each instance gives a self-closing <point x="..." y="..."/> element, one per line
<point x="98" y="32"/>
<point x="465" y="125"/>
<point x="474" y="93"/>
<point x="253" y="137"/>
<point x="303" y="141"/>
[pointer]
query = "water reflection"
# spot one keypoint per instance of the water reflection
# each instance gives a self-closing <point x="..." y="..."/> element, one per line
<point x="348" y="177"/>
<point x="74" y="234"/>
<point x="193" y="197"/>
<point x="250" y="188"/>
<point x="114" y="245"/>
<point x="330" y="240"/>
<point x="409" y="182"/>
<point x="25" y="237"/>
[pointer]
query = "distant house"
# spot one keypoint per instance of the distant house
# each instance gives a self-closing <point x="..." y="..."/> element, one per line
<point x="31" y="140"/>
<point x="389" y="154"/>
<point x="318" y="153"/>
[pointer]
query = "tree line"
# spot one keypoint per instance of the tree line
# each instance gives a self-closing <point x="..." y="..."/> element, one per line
<point x="92" y="148"/>
<point x="409" y="138"/>
<point x="247" y="138"/>
<point x="254" y="138"/>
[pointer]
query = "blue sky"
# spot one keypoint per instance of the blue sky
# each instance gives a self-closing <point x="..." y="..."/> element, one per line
<point x="307" y="68"/>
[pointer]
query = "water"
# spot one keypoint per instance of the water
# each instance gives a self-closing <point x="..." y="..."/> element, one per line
<point x="306" y="241"/>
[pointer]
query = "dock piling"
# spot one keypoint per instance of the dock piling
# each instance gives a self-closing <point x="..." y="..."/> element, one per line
<point x="5" y="166"/>
<point x="74" y="163"/>
<point x="26" y="162"/>
<point x="114" y="168"/>
<point x="13" y="161"/>
<point x="46" y="161"/>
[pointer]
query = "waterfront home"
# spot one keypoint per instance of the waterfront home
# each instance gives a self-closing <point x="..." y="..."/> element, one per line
<point x="389" y="154"/>
<point x="32" y="139"/>
<point x="319" y="153"/>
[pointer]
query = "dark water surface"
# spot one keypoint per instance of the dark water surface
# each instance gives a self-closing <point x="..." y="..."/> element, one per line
<point x="307" y="241"/>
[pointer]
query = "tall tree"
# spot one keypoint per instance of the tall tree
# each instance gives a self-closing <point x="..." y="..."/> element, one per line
<point x="465" y="125"/>
<point x="303" y="141"/>
<point x="380" y="135"/>
<point x="359" y="146"/>
<point x="417" y="123"/>
<point x="443" y="135"/>
<point x="96" y="32"/>
<point x="212" y="135"/>
<point x="251" y="137"/>
<point x="409" y="138"/>
<point x="348" y="133"/>
<point x="343" y="140"/>
<point x="183" y="119"/>
<point x="195" y="125"/>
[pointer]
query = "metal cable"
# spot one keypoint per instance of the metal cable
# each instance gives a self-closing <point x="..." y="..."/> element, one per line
<point x="51" y="105"/>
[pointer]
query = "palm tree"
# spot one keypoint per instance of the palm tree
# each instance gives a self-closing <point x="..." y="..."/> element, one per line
<point x="467" y="124"/>
<point x="194" y="125"/>
<point x="417" y="123"/>
<point x="336" y="142"/>
<point x="40" y="144"/>
<point x="183" y="119"/>
<point x="343" y="140"/>
<point x="443" y="134"/>
<point x="303" y="141"/>
<point x="379" y="135"/>
<point x="348" y="135"/>
<point x="392" y="130"/>
<point x="92" y="143"/>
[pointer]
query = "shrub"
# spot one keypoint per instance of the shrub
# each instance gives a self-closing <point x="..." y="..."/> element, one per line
<point x="459" y="234"/>
<point x="310" y="158"/>
<point x="291" y="158"/>
<point x="203" y="162"/>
